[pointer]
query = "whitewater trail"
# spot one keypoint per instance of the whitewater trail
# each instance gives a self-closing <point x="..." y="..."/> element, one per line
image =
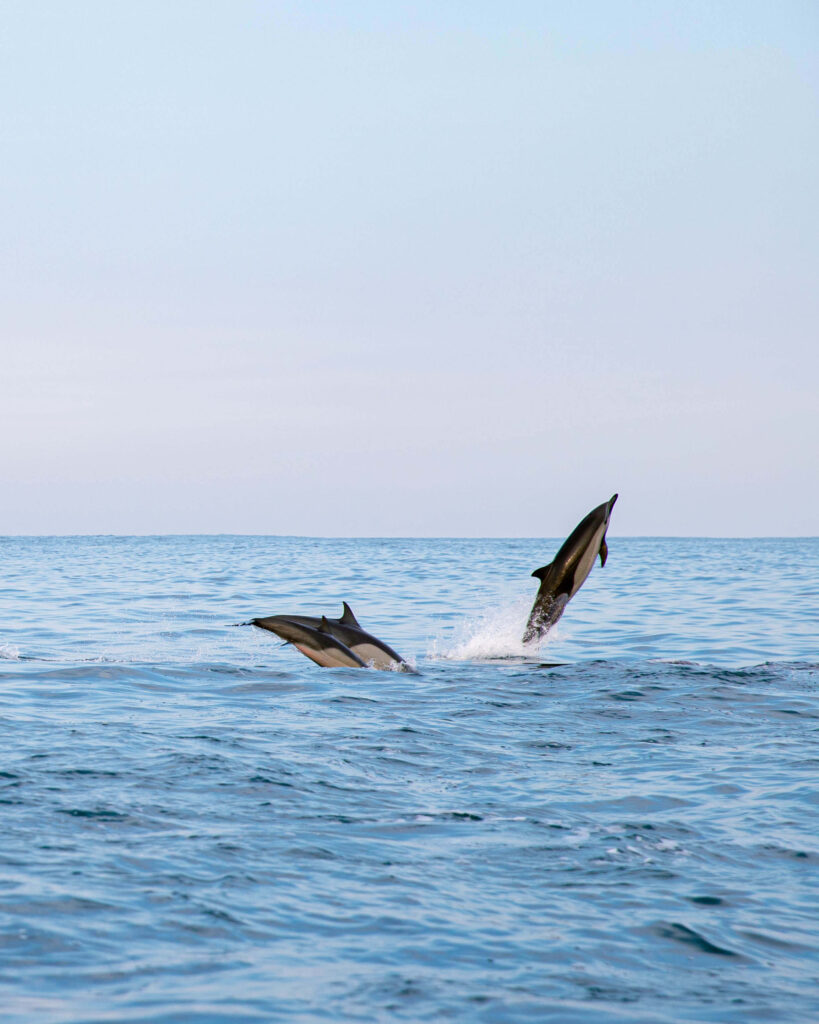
<point x="496" y="634"/>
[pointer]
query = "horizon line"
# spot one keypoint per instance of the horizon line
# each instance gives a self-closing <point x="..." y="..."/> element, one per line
<point x="323" y="536"/>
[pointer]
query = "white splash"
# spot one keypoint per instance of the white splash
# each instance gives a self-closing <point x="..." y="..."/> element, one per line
<point x="495" y="634"/>
<point x="8" y="652"/>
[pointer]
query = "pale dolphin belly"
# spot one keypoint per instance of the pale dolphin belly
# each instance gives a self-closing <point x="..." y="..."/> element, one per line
<point x="329" y="657"/>
<point x="372" y="655"/>
<point x="587" y="559"/>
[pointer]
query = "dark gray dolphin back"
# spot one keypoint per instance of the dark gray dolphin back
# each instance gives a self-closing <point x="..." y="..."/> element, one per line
<point x="314" y="621"/>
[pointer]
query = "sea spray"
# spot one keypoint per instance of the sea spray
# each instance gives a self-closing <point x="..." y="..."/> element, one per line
<point x="495" y="634"/>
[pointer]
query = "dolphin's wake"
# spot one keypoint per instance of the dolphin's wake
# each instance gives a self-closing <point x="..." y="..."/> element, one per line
<point x="495" y="635"/>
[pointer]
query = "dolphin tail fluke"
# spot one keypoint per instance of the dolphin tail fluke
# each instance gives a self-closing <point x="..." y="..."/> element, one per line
<point x="348" y="619"/>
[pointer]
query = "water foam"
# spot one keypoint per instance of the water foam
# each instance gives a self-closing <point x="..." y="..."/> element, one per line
<point x="8" y="652"/>
<point x="496" y="634"/>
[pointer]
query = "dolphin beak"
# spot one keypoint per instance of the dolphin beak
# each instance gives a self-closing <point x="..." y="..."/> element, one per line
<point x="612" y="500"/>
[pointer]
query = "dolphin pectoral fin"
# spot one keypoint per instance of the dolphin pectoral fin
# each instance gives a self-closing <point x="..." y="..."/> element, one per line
<point x="348" y="619"/>
<point x="541" y="572"/>
<point x="604" y="551"/>
<point x="324" y="625"/>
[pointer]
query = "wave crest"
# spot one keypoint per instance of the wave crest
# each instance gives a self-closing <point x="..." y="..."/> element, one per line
<point x="8" y="652"/>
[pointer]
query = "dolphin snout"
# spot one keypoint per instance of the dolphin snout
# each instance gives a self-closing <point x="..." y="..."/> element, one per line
<point x="281" y="626"/>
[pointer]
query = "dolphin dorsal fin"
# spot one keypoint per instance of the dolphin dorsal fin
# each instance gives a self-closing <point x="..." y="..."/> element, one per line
<point x="604" y="551"/>
<point x="324" y="625"/>
<point x="348" y="619"/>
<point x="541" y="572"/>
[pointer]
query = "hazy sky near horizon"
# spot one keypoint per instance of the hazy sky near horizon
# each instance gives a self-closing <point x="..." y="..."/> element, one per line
<point x="380" y="268"/>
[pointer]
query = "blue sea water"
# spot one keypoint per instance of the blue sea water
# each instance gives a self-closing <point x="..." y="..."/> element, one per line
<point x="201" y="825"/>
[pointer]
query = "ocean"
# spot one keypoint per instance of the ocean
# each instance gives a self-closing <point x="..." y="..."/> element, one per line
<point x="200" y="825"/>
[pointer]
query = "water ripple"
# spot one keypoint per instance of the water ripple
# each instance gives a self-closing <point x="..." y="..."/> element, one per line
<point x="200" y="825"/>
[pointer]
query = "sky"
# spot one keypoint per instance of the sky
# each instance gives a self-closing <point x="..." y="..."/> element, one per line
<point x="399" y="269"/>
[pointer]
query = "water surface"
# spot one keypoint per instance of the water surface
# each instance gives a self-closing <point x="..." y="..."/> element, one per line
<point x="201" y="825"/>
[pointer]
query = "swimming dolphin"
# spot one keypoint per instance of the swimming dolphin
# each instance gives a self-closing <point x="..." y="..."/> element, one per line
<point x="316" y="644"/>
<point x="347" y="631"/>
<point x="562" y="579"/>
<point x="314" y="621"/>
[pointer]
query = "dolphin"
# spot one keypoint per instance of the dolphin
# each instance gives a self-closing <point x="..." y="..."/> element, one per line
<point x="562" y="578"/>
<point x="314" y="621"/>
<point x="346" y="631"/>
<point x="316" y="644"/>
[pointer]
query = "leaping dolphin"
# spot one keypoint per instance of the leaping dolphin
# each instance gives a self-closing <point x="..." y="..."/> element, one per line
<point x="317" y="645"/>
<point x="346" y="632"/>
<point x="562" y="578"/>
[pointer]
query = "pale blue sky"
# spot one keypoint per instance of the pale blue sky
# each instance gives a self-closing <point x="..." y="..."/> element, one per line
<point x="409" y="268"/>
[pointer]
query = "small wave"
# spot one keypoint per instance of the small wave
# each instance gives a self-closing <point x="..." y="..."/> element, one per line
<point x="494" y="635"/>
<point x="678" y="932"/>
<point x="8" y="652"/>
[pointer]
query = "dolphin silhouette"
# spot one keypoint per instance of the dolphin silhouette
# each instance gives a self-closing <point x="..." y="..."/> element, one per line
<point x="345" y="631"/>
<point x="562" y="578"/>
<point x="316" y="644"/>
